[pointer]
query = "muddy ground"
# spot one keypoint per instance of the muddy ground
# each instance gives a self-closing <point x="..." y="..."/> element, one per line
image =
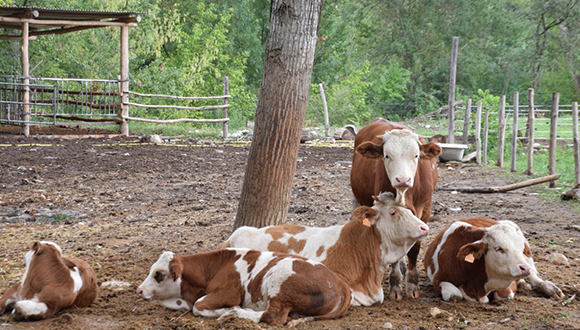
<point x="118" y="203"/>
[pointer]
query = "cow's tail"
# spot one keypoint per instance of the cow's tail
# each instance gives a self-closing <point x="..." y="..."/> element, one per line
<point x="224" y="244"/>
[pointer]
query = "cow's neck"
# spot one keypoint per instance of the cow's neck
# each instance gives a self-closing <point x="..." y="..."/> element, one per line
<point x="365" y="249"/>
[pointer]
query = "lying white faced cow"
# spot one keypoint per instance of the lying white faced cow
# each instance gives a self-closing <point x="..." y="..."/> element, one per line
<point x="50" y="283"/>
<point x="472" y="258"/>
<point x="267" y="286"/>
<point x="359" y="251"/>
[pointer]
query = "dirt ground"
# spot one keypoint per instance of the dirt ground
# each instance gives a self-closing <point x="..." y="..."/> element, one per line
<point x="118" y="203"/>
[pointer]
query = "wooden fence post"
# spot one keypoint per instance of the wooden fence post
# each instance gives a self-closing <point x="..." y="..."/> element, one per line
<point x="452" y="74"/>
<point x="485" y="134"/>
<point x="478" y="133"/>
<point x="325" y="108"/>
<point x="515" y="131"/>
<point x="466" y="121"/>
<point x="530" y="170"/>
<point x="501" y="131"/>
<point x="225" y="109"/>
<point x="553" y="136"/>
<point x="575" y="142"/>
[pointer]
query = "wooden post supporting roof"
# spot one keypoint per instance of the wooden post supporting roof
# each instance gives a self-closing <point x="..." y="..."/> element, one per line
<point x="35" y="21"/>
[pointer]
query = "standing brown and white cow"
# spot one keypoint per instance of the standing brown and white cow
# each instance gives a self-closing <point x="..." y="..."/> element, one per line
<point x="358" y="252"/>
<point x="390" y="157"/>
<point x="474" y="257"/>
<point x="260" y="286"/>
<point x="50" y="282"/>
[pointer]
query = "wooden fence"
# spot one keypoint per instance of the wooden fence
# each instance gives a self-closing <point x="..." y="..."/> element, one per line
<point x="508" y="117"/>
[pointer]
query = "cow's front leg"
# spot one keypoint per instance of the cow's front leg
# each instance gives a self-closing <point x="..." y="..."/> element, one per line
<point x="546" y="287"/>
<point x="395" y="279"/>
<point x="412" y="278"/>
<point x="215" y="304"/>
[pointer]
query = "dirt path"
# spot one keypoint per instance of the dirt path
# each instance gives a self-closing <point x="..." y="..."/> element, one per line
<point x="118" y="204"/>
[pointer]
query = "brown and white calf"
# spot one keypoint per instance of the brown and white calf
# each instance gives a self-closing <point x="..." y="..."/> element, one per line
<point x="473" y="258"/>
<point x="261" y="286"/>
<point x="359" y="251"/>
<point x="390" y="157"/>
<point x="50" y="282"/>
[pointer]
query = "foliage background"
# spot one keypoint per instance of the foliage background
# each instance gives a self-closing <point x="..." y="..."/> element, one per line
<point x="374" y="58"/>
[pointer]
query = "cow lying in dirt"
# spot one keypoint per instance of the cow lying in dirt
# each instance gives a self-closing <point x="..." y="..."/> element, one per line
<point x="260" y="286"/>
<point x="50" y="282"/>
<point x="359" y="251"/>
<point x="473" y="258"/>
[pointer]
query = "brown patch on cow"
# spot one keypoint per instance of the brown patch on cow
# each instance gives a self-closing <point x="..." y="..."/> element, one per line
<point x="504" y="293"/>
<point x="179" y="302"/>
<point x="278" y="247"/>
<point x="255" y="285"/>
<point x="278" y="232"/>
<point x="251" y="257"/>
<point x="320" y="251"/>
<point x="296" y="245"/>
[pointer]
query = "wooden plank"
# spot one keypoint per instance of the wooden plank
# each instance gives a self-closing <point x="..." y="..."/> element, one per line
<point x="25" y="80"/>
<point x="553" y="136"/>
<point x="466" y="122"/>
<point x="180" y="120"/>
<point x="163" y="106"/>
<point x="478" y="133"/>
<point x="325" y="109"/>
<point x="531" y="120"/>
<point x="501" y="131"/>
<point x="124" y="84"/>
<point x="506" y="188"/>
<point x="452" y="74"/>
<point x="515" y="131"/>
<point x="181" y="97"/>
<point x="225" y="110"/>
<point x="485" y="135"/>
<point x="576" y="144"/>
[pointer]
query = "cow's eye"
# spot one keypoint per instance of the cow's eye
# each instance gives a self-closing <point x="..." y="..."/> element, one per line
<point x="500" y="250"/>
<point x="159" y="277"/>
<point x="416" y="156"/>
<point x="386" y="156"/>
<point x="393" y="212"/>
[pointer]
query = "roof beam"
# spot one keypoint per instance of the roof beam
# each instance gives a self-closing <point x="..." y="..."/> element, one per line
<point x="65" y="22"/>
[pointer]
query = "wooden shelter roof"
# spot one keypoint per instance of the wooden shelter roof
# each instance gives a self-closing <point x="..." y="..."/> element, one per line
<point x="56" y="21"/>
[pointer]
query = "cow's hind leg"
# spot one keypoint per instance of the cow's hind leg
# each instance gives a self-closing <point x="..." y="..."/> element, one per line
<point x="395" y="279"/>
<point x="277" y="313"/>
<point x="412" y="277"/>
<point x="450" y="292"/>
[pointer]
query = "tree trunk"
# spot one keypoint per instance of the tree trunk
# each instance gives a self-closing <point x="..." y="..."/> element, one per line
<point x="288" y="62"/>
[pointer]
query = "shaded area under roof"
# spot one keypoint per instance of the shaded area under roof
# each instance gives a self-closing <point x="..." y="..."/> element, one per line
<point x="56" y="21"/>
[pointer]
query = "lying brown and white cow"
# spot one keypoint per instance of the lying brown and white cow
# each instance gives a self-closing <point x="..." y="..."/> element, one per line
<point x="261" y="286"/>
<point x="50" y="282"/>
<point x="390" y="157"/>
<point x="474" y="257"/>
<point x="359" y="251"/>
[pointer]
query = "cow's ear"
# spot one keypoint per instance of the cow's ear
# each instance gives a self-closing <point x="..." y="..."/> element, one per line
<point x="430" y="150"/>
<point x="370" y="150"/>
<point x="472" y="251"/>
<point x="175" y="268"/>
<point x="366" y="215"/>
<point x="527" y="250"/>
<point x="36" y="247"/>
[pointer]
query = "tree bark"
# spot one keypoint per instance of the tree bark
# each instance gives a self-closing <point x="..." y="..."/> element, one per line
<point x="288" y="62"/>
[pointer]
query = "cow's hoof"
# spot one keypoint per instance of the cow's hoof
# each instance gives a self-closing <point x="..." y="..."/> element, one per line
<point x="396" y="293"/>
<point x="551" y="290"/>
<point x="413" y="291"/>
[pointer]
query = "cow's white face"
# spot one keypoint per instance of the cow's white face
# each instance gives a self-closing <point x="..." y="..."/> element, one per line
<point x="160" y="284"/>
<point x="398" y="226"/>
<point x="505" y="252"/>
<point x="401" y="156"/>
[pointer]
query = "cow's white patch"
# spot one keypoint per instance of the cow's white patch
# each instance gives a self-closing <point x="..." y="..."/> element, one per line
<point x="168" y="288"/>
<point x="212" y="312"/>
<point x="450" y="230"/>
<point x="78" y="281"/>
<point x="361" y="299"/>
<point x="28" y="259"/>
<point x="56" y="246"/>
<point x="177" y="304"/>
<point x="244" y="313"/>
<point x="450" y="292"/>
<point x="29" y="307"/>
<point x="401" y="157"/>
